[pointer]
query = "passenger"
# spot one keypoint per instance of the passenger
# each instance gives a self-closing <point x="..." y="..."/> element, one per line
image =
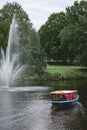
<point x="69" y="96"/>
<point x="64" y="97"/>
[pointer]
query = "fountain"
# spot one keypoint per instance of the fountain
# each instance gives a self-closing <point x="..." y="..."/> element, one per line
<point x="10" y="68"/>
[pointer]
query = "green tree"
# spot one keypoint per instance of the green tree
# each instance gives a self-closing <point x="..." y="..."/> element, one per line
<point x="6" y="15"/>
<point x="70" y="41"/>
<point x="74" y="35"/>
<point x="49" y="35"/>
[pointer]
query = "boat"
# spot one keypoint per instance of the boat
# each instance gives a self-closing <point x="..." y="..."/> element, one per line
<point x="64" y="98"/>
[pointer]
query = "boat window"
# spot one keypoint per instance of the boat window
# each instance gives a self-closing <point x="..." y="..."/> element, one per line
<point x="62" y="98"/>
<point x="74" y="95"/>
<point x="55" y="97"/>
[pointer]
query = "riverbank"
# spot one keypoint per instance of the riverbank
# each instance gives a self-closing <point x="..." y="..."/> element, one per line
<point x="55" y="73"/>
<point x="64" y="73"/>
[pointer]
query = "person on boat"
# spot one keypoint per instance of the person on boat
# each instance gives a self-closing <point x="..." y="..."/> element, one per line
<point x="64" y="97"/>
<point x="69" y="97"/>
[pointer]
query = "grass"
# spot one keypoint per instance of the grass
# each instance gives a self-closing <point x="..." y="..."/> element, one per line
<point x="62" y="69"/>
<point x="57" y="73"/>
<point x="65" y="72"/>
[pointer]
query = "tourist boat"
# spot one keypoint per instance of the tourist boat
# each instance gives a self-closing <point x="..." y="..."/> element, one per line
<point x="64" y="98"/>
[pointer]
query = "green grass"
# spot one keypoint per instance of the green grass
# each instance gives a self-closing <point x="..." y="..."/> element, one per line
<point x="62" y="69"/>
<point x="65" y="72"/>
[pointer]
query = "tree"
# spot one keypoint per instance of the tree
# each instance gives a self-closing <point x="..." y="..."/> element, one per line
<point x="74" y="35"/>
<point x="70" y="41"/>
<point x="6" y="15"/>
<point x="49" y="35"/>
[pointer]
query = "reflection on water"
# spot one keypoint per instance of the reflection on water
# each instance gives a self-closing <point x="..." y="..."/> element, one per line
<point x="29" y="108"/>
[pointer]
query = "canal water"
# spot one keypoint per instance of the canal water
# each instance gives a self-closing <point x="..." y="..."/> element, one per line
<point x="29" y="108"/>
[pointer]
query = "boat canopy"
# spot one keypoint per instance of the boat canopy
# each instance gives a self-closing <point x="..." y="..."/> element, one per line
<point x="60" y="92"/>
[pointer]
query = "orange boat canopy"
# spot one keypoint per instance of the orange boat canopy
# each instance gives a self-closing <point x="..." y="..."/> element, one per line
<point x="59" y="92"/>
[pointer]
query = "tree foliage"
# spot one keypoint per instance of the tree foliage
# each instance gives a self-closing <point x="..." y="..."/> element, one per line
<point x="76" y="36"/>
<point x="63" y="36"/>
<point x="49" y="35"/>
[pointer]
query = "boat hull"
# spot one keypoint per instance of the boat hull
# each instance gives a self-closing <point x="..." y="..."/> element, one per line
<point x="65" y="103"/>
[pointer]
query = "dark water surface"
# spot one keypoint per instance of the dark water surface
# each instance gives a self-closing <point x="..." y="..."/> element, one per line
<point x="29" y="108"/>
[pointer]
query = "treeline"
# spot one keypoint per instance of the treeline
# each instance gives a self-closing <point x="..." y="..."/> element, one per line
<point x="64" y="35"/>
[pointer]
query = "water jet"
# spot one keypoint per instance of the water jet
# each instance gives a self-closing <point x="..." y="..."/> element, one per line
<point x="10" y="68"/>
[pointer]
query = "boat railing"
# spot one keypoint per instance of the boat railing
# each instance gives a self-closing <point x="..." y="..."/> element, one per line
<point x="63" y="97"/>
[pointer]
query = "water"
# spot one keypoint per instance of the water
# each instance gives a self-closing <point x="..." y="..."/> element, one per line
<point x="29" y="108"/>
<point x="10" y="68"/>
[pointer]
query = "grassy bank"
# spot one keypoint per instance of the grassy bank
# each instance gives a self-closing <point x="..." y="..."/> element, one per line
<point x="64" y="73"/>
<point x="56" y="73"/>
